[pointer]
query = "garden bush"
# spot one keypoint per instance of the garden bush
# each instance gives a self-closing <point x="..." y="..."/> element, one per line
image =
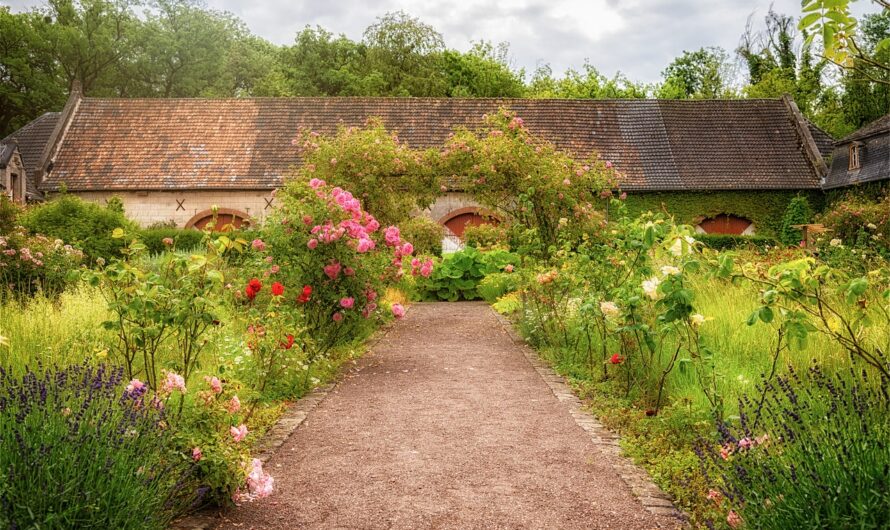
<point x="798" y="212"/>
<point x="9" y="213"/>
<point x="83" y="224"/>
<point x="495" y="285"/>
<point x="80" y="451"/>
<point x="35" y="263"/>
<point x="457" y="275"/>
<point x="727" y="241"/>
<point x="859" y="222"/>
<point x="425" y="234"/>
<point x="184" y="239"/>
<point x="487" y="236"/>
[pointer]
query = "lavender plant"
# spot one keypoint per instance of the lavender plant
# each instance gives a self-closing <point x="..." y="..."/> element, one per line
<point x="78" y="450"/>
<point x="810" y="451"/>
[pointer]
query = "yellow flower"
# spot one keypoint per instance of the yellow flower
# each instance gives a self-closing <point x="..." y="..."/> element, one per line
<point x="102" y="354"/>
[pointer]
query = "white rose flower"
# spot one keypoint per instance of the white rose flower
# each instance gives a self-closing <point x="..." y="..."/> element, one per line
<point x="609" y="308"/>
<point x="835" y="242"/>
<point x="872" y="226"/>
<point x="650" y="287"/>
<point x="697" y="320"/>
<point x="669" y="270"/>
<point x="677" y="246"/>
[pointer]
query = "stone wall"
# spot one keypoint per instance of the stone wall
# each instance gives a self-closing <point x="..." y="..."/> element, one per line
<point x="448" y="203"/>
<point x="151" y="207"/>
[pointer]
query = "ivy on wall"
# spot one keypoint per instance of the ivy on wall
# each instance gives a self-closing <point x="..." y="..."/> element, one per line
<point x="763" y="208"/>
<point x="872" y="191"/>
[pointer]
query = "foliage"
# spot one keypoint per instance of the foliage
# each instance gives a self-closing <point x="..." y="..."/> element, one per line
<point x="483" y="71"/>
<point x="322" y="239"/>
<point x="80" y="223"/>
<point x="183" y="239"/>
<point x="763" y="208"/>
<point x="727" y="241"/>
<point x="487" y="236"/>
<point x="528" y="182"/>
<point x="495" y="285"/>
<point x="9" y="213"/>
<point x="698" y="74"/>
<point x="35" y="263"/>
<point x="830" y="21"/>
<point x="458" y="274"/>
<point x="859" y="222"/>
<point x="83" y="452"/>
<point x="424" y="233"/>
<point x="808" y="451"/>
<point x="797" y="213"/>
<point x="587" y="84"/>
<point x="390" y="178"/>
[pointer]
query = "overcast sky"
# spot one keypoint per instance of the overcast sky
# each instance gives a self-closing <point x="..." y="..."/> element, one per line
<point x="637" y="37"/>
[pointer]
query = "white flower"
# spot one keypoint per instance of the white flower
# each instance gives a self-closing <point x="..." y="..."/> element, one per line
<point x="677" y="248"/>
<point x="697" y="320"/>
<point x="871" y="226"/>
<point x="669" y="270"/>
<point x="609" y="308"/>
<point x="650" y="287"/>
<point x="835" y="242"/>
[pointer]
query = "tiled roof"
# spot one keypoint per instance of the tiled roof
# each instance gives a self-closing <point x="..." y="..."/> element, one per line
<point x="32" y="139"/>
<point x="824" y="141"/>
<point x="874" y="162"/>
<point x="6" y="152"/>
<point x="118" y="144"/>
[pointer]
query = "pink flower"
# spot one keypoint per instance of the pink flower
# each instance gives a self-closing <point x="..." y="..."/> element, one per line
<point x="333" y="270"/>
<point x="733" y="519"/>
<point x="234" y="405"/>
<point x="398" y="311"/>
<point x="427" y="268"/>
<point x="259" y="483"/>
<point x="333" y="161"/>
<point x="258" y="244"/>
<point x="173" y="381"/>
<point x="347" y="303"/>
<point x="197" y="455"/>
<point x="215" y="384"/>
<point x="239" y="432"/>
<point x="508" y="268"/>
<point x="348" y="271"/>
<point x="566" y="182"/>
<point x="135" y="384"/>
<point x="407" y="249"/>
<point x="746" y="443"/>
<point x="307" y="220"/>
<point x="715" y="495"/>
<point x="392" y="236"/>
<point x="338" y="316"/>
<point x="312" y="243"/>
<point x="274" y="269"/>
<point x="167" y="241"/>
<point x="364" y="245"/>
<point x="608" y="164"/>
<point x="316" y="183"/>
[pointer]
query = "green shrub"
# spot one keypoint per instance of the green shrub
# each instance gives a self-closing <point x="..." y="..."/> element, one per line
<point x="496" y="285"/>
<point x="486" y="236"/>
<point x="9" y="212"/>
<point x="457" y="276"/>
<point x="425" y="234"/>
<point x="860" y="222"/>
<point x="728" y="241"/>
<point x="83" y="224"/>
<point x="797" y="213"/>
<point x="80" y="451"/>
<point x="183" y="239"/>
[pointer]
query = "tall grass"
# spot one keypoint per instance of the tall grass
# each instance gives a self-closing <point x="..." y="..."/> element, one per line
<point x="62" y="330"/>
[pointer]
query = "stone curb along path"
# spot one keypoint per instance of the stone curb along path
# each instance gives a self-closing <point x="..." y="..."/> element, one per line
<point x="649" y="494"/>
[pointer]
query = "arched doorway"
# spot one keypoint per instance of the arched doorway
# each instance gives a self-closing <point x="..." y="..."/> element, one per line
<point x="726" y="224"/>
<point x="458" y="220"/>
<point x="226" y="219"/>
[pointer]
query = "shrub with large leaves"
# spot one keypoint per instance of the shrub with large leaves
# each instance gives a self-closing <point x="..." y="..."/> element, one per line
<point x="458" y="275"/>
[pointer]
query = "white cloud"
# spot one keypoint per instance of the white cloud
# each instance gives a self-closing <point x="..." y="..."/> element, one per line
<point x="637" y="37"/>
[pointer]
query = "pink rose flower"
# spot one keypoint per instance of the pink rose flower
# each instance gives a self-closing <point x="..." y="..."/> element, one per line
<point x="215" y="384"/>
<point x="338" y="316"/>
<point x="312" y="244"/>
<point x="316" y="183"/>
<point x="258" y="244"/>
<point x="135" y="384"/>
<point x="398" y="311"/>
<point x="173" y="381"/>
<point x="197" y="455"/>
<point x="234" y="405"/>
<point x="333" y="270"/>
<point x="347" y="303"/>
<point x="239" y="432"/>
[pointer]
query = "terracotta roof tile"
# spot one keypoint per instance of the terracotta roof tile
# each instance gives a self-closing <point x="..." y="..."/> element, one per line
<point x="118" y="144"/>
<point x="31" y="139"/>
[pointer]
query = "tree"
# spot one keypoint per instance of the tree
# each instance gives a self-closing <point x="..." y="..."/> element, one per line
<point x="319" y="64"/>
<point x="484" y="71"/>
<point x="831" y="22"/>
<point x="29" y="82"/>
<point x="698" y="74"/>
<point x="405" y="54"/>
<point x="867" y="88"/>
<point x="588" y="84"/>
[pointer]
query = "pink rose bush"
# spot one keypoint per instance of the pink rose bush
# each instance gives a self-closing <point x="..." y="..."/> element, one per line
<point x="35" y="262"/>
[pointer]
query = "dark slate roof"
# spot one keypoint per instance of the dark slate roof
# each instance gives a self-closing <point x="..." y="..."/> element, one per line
<point x="880" y="125"/>
<point x="6" y="152"/>
<point x="824" y="141"/>
<point x="874" y="161"/>
<point x="32" y="139"/>
<point x="149" y="144"/>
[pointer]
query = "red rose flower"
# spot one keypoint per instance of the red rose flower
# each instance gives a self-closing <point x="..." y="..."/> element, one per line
<point x="287" y="344"/>
<point x="251" y="294"/>
<point x="277" y="289"/>
<point x="616" y="359"/>
<point x="255" y="285"/>
<point x="305" y="294"/>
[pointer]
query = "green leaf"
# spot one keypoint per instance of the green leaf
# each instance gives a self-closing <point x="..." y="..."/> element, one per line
<point x="117" y="233"/>
<point x="766" y="314"/>
<point x="809" y="20"/>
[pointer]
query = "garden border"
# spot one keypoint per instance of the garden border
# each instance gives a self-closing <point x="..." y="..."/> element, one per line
<point x="274" y="438"/>
<point x="653" y="499"/>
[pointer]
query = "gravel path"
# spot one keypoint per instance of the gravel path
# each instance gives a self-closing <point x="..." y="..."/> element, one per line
<point x="446" y="425"/>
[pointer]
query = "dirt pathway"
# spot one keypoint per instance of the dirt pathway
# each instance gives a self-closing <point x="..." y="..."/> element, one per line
<point x="446" y="425"/>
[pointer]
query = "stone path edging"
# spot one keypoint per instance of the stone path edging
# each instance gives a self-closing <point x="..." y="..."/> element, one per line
<point x="649" y="494"/>
<point x="273" y="439"/>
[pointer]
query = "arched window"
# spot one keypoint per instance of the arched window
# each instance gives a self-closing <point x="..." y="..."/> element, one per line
<point x="726" y="224"/>
<point x="226" y="219"/>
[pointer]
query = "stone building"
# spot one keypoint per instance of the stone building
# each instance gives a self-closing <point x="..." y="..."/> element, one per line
<point x="862" y="157"/>
<point x="171" y="160"/>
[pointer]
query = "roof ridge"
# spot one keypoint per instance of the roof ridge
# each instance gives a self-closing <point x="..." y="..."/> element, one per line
<point x="436" y="98"/>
